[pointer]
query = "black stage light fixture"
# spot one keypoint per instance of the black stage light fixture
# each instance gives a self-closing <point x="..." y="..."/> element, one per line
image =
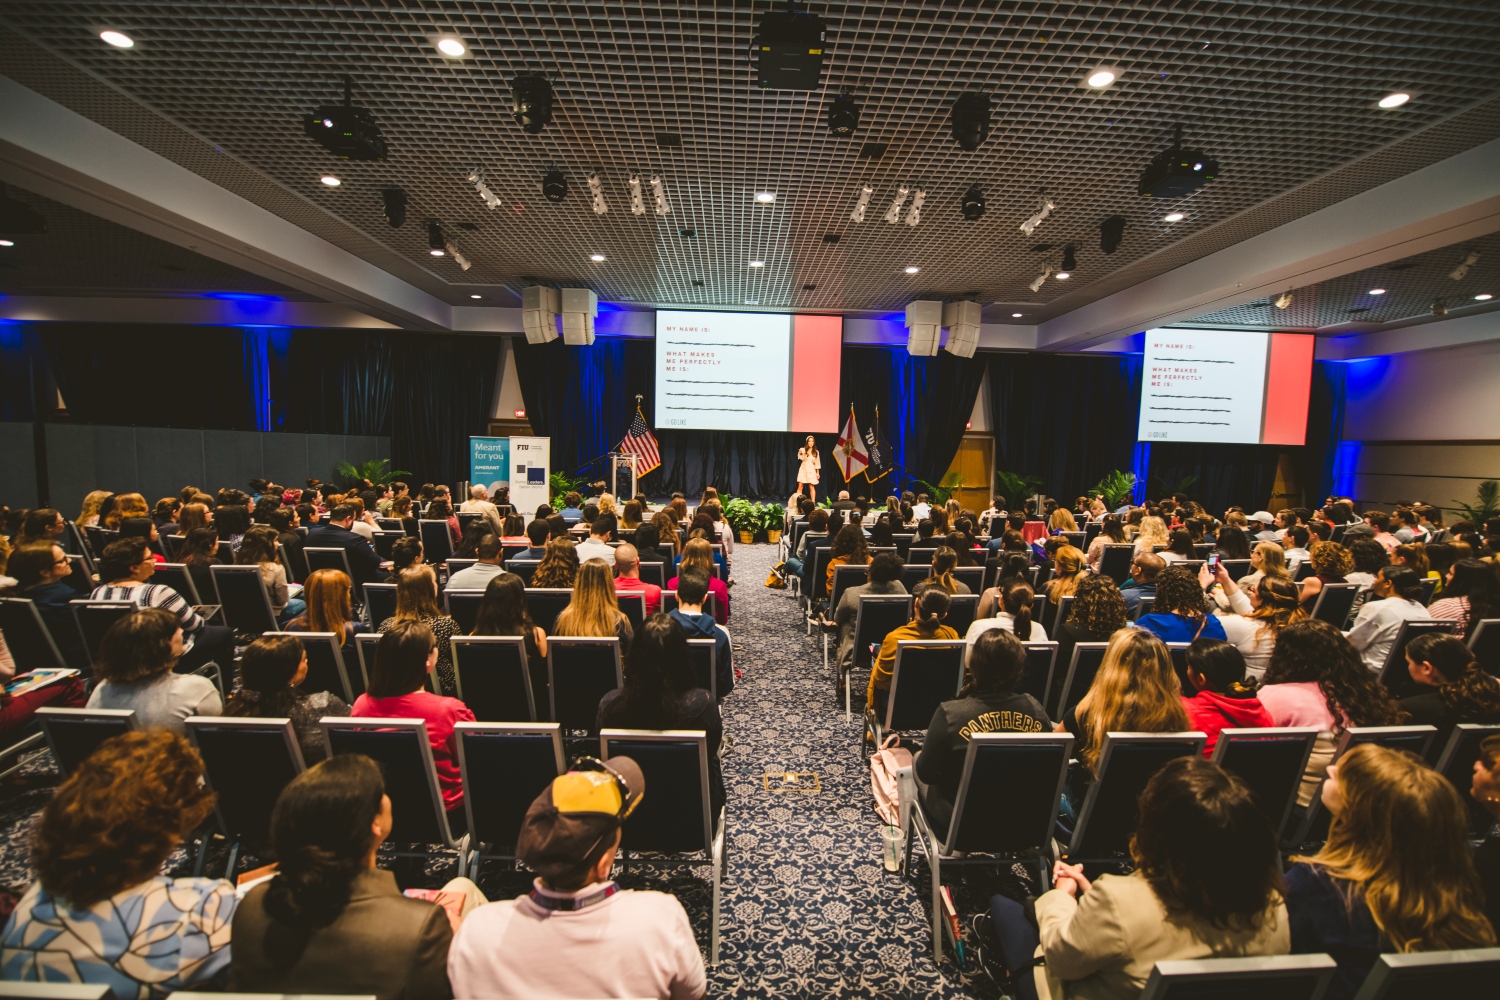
<point x="843" y="116"/>
<point x="1069" y="259"/>
<point x="346" y="131"/>
<point x="973" y="203"/>
<point x="555" y="185"/>
<point x="18" y="218"/>
<point x="789" y="50"/>
<point x="970" y="120"/>
<point x="435" y="239"/>
<point x="1176" y="171"/>
<point x="395" y="206"/>
<point x="1111" y="232"/>
<point x="531" y="102"/>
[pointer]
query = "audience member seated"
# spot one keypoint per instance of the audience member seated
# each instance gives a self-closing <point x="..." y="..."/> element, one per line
<point x="647" y="538"/>
<point x="1153" y="532"/>
<point x="478" y="576"/>
<point x="1369" y="557"/>
<point x="442" y="510"/>
<point x="1485" y="790"/>
<point x="1331" y="564"/>
<point x="405" y="553"/>
<point x="143" y="527"/>
<point x="258" y="548"/>
<point x="628" y="577"/>
<point x="1111" y="532"/>
<point x="817" y="522"/>
<point x="944" y="560"/>
<point x="576" y="933"/>
<point x="988" y="703"/>
<point x="1180" y="613"/>
<point x="479" y="503"/>
<point x="537" y="534"/>
<point x="1471" y="593"/>
<point x="126" y="505"/>
<point x="1463" y="692"/>
<point x="364" y="564"/>
<point x="1102" y="937"/>
<point x="232" y="520"/>
<point x="285" y="522"/>
<point x="1014" y="615"/>
<point x="559" y="567"/>
<point x="41" y="570"/>
<point x="572" y="511"/>
<point x="1179" y="548"/>
<point x="93" y="502"/>
<point x="407" y="653"/>
<point x="330" y="921"/>
<point x="632" y="514"/>
<point x="135" y="670"/>
<point x="1315" y="678"/>
<point x="126" y="566"/>
<point x="698" y="555"/>
<point x="1232" y="543"/>
<point x="1135" y="691"/>
<point x="1225" y="695"/>
<point x="1068" y="572"/>
<point x="1142" y="583"/>
<point x="502" y="611"/>
<point x="41" y="525"/>
<point x="929" y="607"/>
<point x="1395" y="597"/>
<point x="199" y="551"/>
<point x="849" y="549"/>
<point x="416" y="600"/>
<point x="272" y="670"/>
<point x="692" y="589"/>
<point x="1266" y="559"/>
<point x="885" y="578"/>
<point x="597" y="546"/>
<point x="327" y="594"/>
<point x="1395" y="874"/>
<point x="1258" y="618"/>
<point x="594" y="610"/>
<point x="1098" y="612"/>
<point x="468" y="545"/>
<point x="100" y="911"/>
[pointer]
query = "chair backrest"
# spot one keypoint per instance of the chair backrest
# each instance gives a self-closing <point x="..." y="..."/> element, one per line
<point x="1147" y="602"/>
<point x="878" y="616"/>
<point x="1008" y="791"/>
<point x="920" y="555"/>
<point x="384" y="544"/>
<point x="1484" y="643"/>
<point x="546" y="603"/>
<point x="401" y="749"/>
<point x="523" y="568"/>
<point x="1305" y="569"/>
<point x="1393" y="673"/>
<point x="247" y="762"/>
<point x="27" y="636"/>
<point x="821" y="557"/>
<point x="961" y="611"/>
<point x="1116" y="560"/>
<point x="1271" y="762"/>
<point x="1090" y="532"/>
<point x="903" y="540"/>
<point x="1126" y="762"/>
<point x="1456" y="763"/>
<point x="242" y="593"/>
<point x="177" y="576"/>
<point x="380" y="602"/>
<point x="1429" y="587"/>
<point x="326" y="669"/>
<point x="391" y="524"/>
<point x="99" y="538"/>
<point x="456" y="565"/>
<point x="677" y="817"/>
<point x="505" y="766"/>
<point x="95" y="617"/>
<point x="365" y="645"/>
<point x="437" y="543"/>
<point x="704" y="654"/>
<point x="494" y="677"/>
<point x="1284" y="977"/>
<point x="633" y="604"/>
<point x="580" y="672"/>
<point x="653" y="572"/>
<point x="1064" y="608"/>
<point x="913" y="574"/>
<point x="1334" y="603"/>
<point x="1414" y="739"/>
<point x="80" y="573"/>
<point x="1470" y="972"/>
<point x="927" y="673"/>
<point x="466" y="518"/>
<point x="1075" y="538"/>
<point x="1084" y="664"/>
<point x="327" y="558"/>
<point x="970" y="576"/>
<point x="463" y="607"/>
<point x="1041" y="664"/>
<point x="845" y="577"/>
<point x="74" y="733"/>
<point x="22" y="990"/>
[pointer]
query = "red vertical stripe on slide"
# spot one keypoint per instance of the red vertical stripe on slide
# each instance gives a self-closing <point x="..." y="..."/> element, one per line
<point x="817" y="342"/>
<point x="1288" y="384"/>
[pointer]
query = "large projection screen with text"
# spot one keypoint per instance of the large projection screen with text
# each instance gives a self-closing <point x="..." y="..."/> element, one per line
<point x="747" y="371"/>
<point x="1232" y="386"/>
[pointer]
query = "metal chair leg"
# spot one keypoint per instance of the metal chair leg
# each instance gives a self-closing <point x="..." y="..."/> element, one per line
<point x="935" y="865"/>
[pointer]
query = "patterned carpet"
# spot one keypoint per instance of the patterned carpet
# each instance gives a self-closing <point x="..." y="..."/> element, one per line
<point x="807" y="908"/>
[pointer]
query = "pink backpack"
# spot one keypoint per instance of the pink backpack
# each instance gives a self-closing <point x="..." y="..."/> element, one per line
<point x="884" y="764"/>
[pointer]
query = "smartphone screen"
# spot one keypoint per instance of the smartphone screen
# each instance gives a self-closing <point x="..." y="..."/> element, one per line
<point x="1213" y="561"/>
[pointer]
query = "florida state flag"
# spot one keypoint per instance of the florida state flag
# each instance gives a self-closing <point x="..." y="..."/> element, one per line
<point x="849" y="451"/>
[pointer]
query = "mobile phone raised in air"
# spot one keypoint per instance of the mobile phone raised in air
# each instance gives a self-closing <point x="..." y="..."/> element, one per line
<point x="1213" y="562"/>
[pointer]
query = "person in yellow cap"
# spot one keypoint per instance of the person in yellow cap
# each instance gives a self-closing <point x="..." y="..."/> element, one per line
<point x="577" y="933"/>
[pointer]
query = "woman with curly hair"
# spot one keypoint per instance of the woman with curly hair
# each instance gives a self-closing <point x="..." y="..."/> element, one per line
<point x="88" y="514"/>
<point x="1180" y="613"/>
<point x="100" y="910"/>
<point x="1098" y="612"/>
<point x="1464" y="692"/>
<point x="849" y="549"/>
<point x="1315" y="678"/>
<point x="559" y="567"/>
<point x="126" y="505"/>
<point x="1258" y="617"/>
<point x="1395" y="874"/>
<point x="1331" y="564"/>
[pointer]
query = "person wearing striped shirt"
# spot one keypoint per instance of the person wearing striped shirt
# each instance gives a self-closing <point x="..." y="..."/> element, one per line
<point x="127" y="565"/>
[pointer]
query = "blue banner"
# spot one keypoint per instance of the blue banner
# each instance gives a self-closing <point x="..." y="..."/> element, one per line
<point x="489" y="462"/>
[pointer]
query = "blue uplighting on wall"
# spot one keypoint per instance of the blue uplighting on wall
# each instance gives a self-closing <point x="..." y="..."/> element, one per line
<point x="1140" y="464"/>
<point x="265" y="346"/>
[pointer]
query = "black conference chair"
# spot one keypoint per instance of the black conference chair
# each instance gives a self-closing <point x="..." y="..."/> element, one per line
<point x="401" y="749"/>
<point x="704" y="654"/>
<point x="95" y="617"/>
<point x="74" y="733"/>
<point x="961" y="611"/>
<point x="546" y="603"/>
<point x="328" y="558"/>
<point x="1064" y="608"/>
<point x="243" y="597"/>
<point x="971" y="577"/>
<point x="1041" y="665"/>
<point x="654" y="572"/>
<point x="580" y="672"/>
<point x="1470" y="972"/>
<point x="1116" y="560"/>
<point x="1413" y="739"/>
<point x="456" y="565"/>
<point x="384" y="544"/>
<point x="927" y="672"/>
<point x="920" y="555"/>
<point x="1263" y="977"/>
<point x="505" y="766"/>
<point x="380" y="602"/>
<point x="466" y="518"/>
<point x="326" y="669"/>
<point x="816" y="588"/>
<point x="680" y="820"/>
<point x="1334" y="603"/>
<point x="1484" y="643"/>
<point x="1084" y="664"/>
<point x="913" y="574"/>
<point x="463" y="607"/>
<point x="1006" y="808"/>
<point x="1109" y="814"/>
<point x="391" y="524"/>
<point x="1456" y="763"/>
<point x="1393" y="673"/>
<point x="524" y="568"/>
<point x="634" y="607"/>
<point x="1271" y="763"/>
<point x="177" y="576"/>
<point x="247" y="763"/>
<point x="877" y="617"/>
<point x="437" y="542"/>
<point x="845" y="577"/>
<point x="27" y="636"/>
<point x="364" y="653"/>
<point x="493" y="677"/>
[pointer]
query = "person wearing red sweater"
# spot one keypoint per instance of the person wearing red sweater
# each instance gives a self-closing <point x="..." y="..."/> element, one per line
<point x="1225" y="698"/>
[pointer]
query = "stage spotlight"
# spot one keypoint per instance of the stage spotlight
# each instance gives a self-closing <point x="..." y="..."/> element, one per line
<point x="893" y="214"/>
<point x="596" y="187"/>
<point x="858" y="215"/>
<point x="476" y="178"/>
<point x="970" y="120"/>
<point x="555" y="185"/>
<point x="1175" y="172"/>
<point x="914" y="214"/>
<point x="1111" y="232"/>
<point x="972" y="205"/>
<point x="1029" y="226"/>
<point x="637" y="203"/>
<point x="346" y="131"/>
<point x="1462" y="270"/>
<point x="660" y="191"/>
<point x="394" y="200"/>
<point x="1283" y="300"/>
<point x="458" y="256"/>
<point x="843" y="116"/>
<point x="1039" y="280"/>
<point x="531" y="101"/>
<point x="1069" y="258"/>
<point x="435" y="240"/>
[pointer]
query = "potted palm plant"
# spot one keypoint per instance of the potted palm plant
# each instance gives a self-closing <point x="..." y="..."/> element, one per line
<point x="773" y="516"/>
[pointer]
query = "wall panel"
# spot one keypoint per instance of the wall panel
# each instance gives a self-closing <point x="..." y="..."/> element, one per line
<point x="17" y="464"/>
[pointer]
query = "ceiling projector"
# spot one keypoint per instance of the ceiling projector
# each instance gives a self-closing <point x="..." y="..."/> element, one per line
<point x="1176" y="171"/>
<point x="345" y="130"/>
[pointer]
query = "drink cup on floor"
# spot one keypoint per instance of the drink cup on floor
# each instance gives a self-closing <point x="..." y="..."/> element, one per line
<point x="891" y="842"/>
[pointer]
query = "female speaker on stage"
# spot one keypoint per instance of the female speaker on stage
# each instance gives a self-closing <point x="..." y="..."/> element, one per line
<point x="811" y="469"/>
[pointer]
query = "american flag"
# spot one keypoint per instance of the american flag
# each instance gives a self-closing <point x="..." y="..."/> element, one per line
<point x="640" y="442"/>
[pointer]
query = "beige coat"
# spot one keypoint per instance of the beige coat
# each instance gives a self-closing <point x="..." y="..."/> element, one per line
<point x="1103" y="945"/>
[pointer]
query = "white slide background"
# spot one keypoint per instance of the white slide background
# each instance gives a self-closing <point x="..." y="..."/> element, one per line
<point x="1203" y="385"/>
<point x="723" y="371"/>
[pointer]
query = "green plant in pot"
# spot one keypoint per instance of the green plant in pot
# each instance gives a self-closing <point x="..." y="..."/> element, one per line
<point x="1485" y="506"/>
<point x="743" y="516"/>
<point x="773" y="517"/>
<point x="560" y="484"/>
<point x="376" y="470"/>
<point x="1117" y="488"/>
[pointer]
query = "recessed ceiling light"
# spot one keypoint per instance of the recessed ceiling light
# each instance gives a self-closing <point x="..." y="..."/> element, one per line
<point x="1063" y="275"/>
<point x="451" y="47"/>
<point x="1173" y="217"/>
<point x="1015" y="315"/>
<point x="118" y="39"/>
<point x="597" y="258"/>
<point x="330" y="180"/>
<point x="1101" y="78"/>
<point x="436" y="253"/>
<point x="766" y="197"/>
<point x="912" y="270"/>
<point x="1377" y="291"/>
<point x="476" y="296"/>
<point x="1394" y="100"/>
<point x="1483" y="297"/>
<point x="757" y="263"/>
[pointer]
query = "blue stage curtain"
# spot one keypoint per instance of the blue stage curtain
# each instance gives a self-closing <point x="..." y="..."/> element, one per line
<point x="19" y="345"/>
<point x="1325" y="430"/>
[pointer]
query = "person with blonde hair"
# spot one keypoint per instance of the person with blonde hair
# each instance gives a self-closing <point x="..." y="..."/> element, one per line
<point x="1062" y="520"/>
<point x="1331" y="563"/>
<point x="1135" y="691"/>
<point x="594" y="610"/>
<point x="1258" y="617"/>
<point x="698" y="554"/>
<point x="88" y="514"/>
<point x="559" y="567"/>
<point x="666" y="530"/>
<point x="1153" y="532"/>
<point x="1395" y="874"/>
<point x="126" y="505"/>
<point x="607" y="504"/>
<point x="416" y="600"/>
<point x="1266" y="559"/>
<point x="1068" y="571"/>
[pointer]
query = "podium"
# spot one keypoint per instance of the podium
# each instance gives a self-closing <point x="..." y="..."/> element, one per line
<point x="622" y="476"/>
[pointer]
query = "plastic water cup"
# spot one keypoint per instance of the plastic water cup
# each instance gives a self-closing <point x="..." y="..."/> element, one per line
<point x="891" y="843"/>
